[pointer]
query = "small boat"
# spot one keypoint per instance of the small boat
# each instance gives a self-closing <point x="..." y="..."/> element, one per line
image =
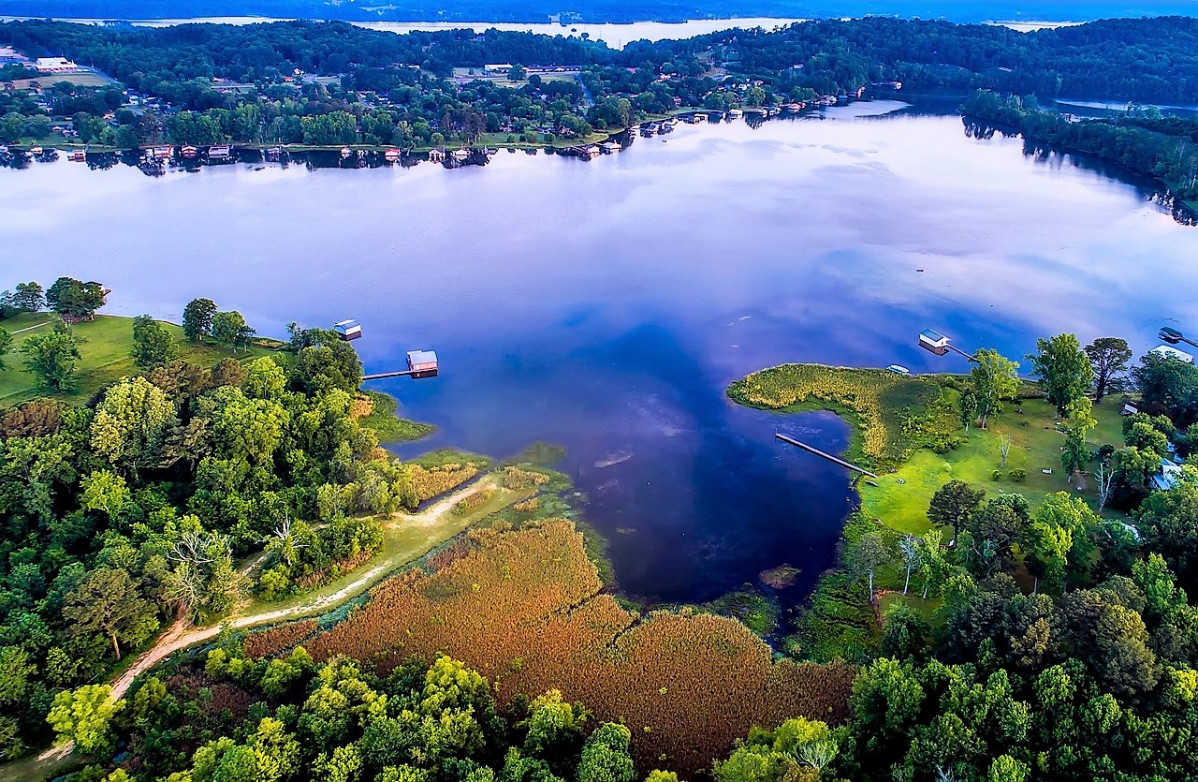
<point x="35" y="150"/>
<point x="898" y="369"/>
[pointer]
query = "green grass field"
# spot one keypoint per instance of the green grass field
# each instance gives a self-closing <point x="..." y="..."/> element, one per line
<point x="901" y="498"/>
<point x="105" y="355"/>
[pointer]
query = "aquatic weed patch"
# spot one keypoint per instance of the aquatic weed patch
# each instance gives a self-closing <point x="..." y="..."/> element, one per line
<point x="533" y="596"/>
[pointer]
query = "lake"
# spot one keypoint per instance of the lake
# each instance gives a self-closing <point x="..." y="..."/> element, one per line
<point x="604" y="306"/>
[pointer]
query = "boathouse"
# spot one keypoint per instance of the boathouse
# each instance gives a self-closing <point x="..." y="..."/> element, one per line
<point x="933" y="341"/>
<point x="421" y="361"/>
<point x="436" y="156"/>
<point x="348" y="330"/>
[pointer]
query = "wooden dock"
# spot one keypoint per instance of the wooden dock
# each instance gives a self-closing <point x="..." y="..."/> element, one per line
<point x="827" y="456"/>
<point x="381" y="375"/>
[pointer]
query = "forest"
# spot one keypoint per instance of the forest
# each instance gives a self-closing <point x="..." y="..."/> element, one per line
<point x="336" y="83"/>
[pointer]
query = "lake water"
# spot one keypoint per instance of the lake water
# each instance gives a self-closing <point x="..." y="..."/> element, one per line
<point x="605" y="305"/>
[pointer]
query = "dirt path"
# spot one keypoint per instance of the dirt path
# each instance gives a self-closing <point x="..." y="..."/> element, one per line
<point x="181" y="635"/>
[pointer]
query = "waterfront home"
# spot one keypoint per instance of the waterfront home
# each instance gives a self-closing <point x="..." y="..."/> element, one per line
<point x="220" y="152"/>
<point x="76" y="156"/>
<point x="391" y="155"/>
<point x="609" y="147"/>
<point x="189" y="152"/>
<point x="1168" y="351"/>
<point x="160" y="153"/>
<point x="460" y="155"/>
<point x="1168" y="477"/>
<point x="436" y="156"/>
<point x="735" y="114"/>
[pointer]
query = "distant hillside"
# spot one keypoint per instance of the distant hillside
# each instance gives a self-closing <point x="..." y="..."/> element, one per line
<point x="597" y="10"/>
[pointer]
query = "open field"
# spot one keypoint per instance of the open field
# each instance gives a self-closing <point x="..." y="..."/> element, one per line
<point x="107" y="341"/>
<point x="901" y="499"/>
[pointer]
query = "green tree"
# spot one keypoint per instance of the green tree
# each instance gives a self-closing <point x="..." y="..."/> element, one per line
<point x="969" y="409"/>
<point x="28" y="297"/>
<point x="1079" y="422"/>
<point x="1063" y="368"/>
<point x="108" y="602"/>
<point x="131" y="424"/>
<point x="230" y="328"/>
<point x="605" y="756"/>
<point x="5" y="347"/>
<point x="75" y="300"/>
<point x="865" y="556"/>
<point x="52" y="359"/>
<point x="554" y="726"/>
<point x="952" y="504"/>
<point x="994" y="380"/>
<point x="197" y="319"/>
<point x="1108" y="359"/>
<point x="153" y="345"/>
<point x="83" y="716"/>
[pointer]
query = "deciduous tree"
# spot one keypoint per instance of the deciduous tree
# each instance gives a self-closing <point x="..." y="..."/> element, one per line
<point x="994" y="380"/>
<point x="1108" y="358"/>
<point x="153" y="345"/>
<point x="197" y="319"/>
<point x="1063" y="368"/>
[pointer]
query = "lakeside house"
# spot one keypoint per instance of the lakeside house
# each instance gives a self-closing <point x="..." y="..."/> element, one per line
<point x="1168" y="477"/>
<point x="1168" y="351"/>
<point x="436" y="156"/>
<point x="56" y="65"/>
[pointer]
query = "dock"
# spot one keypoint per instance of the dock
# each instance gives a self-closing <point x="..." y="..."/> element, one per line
<point x="381" y="375"/>
<point x="820" y="453"/>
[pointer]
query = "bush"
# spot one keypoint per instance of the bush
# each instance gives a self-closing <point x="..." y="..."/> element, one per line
<point x="1019" y="475"/>
<point x="996" y="475"/>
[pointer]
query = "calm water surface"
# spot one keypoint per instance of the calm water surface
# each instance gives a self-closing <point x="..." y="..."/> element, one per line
<point x="605" y="306"/>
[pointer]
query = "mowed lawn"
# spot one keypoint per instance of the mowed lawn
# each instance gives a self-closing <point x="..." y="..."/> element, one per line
<point x="105" y="354"/>
<point x="901" y="499"/>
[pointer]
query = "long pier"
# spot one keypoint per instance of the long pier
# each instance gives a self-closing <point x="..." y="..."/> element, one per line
<point x="820" y="453"/>
<point x="381" y="375"/>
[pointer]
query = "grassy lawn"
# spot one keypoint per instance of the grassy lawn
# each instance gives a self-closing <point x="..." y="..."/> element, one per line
<point x="105" y="355"/>
<point x="901" y="498"/>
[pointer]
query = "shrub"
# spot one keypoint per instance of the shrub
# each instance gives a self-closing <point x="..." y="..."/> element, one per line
<point x="1019" y="475"/>
<point x="996" y="475"/>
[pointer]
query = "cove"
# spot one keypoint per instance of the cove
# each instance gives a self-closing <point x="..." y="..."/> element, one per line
<point x="605" y="306"/>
